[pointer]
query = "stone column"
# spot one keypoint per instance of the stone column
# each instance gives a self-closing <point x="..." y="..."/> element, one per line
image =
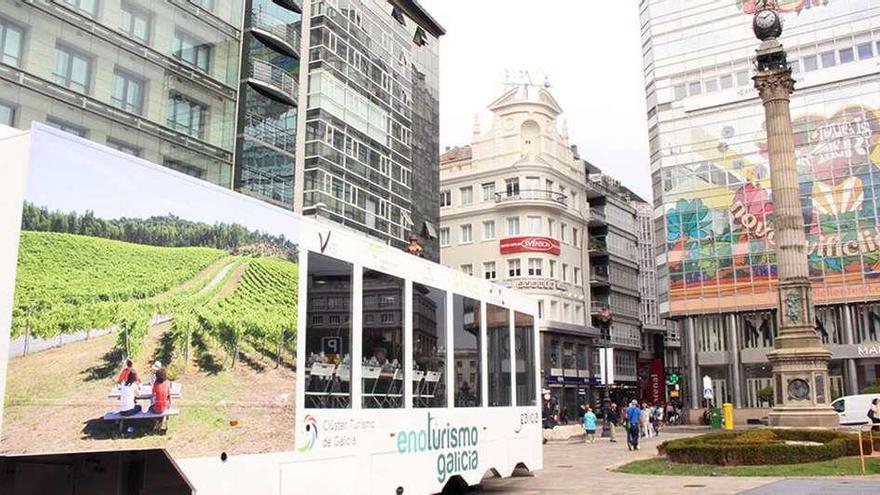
<point x="849" y="338"/>
<point x="800" y="363"/>
<point x="735" y="364"/>
<point x="694" y="381"/>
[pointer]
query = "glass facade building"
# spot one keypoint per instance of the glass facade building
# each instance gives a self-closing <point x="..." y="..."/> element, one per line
<point x="713" y="201"/>
<point x="371" y="152"/>
<point x="153" y="78"/>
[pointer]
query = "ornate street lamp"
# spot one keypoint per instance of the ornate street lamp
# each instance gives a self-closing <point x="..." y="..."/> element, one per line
<point x="800" y="363"/>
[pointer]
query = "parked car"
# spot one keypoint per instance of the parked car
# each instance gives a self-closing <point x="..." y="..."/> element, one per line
<point x="853" y="409"/>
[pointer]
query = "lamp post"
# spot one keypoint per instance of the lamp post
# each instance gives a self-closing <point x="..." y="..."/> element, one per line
<point x="800" y="363"/>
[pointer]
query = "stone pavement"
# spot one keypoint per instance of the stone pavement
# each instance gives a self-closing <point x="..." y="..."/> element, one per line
<point x="582" y="468"/>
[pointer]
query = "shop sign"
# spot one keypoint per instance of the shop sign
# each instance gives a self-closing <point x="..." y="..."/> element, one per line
<point x="529" y="245"/>
<point x="853" y="351"/>
<point x="537" y="283"/>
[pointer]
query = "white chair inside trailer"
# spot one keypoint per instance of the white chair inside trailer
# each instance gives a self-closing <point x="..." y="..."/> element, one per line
<point x="417" y="377"/>
<point x="319" y="385"/>
<point x="370" y="376"/>
<point x="432" y="380"/>
<point x="394" y="393"/>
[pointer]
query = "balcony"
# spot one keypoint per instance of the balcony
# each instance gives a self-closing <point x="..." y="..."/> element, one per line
<point x="597" y="305"/>
<point x="273" y="82"/>
<point x="278" y="34"/>
<point x="597" y="217"/>
<point x="599" y="275"/>
<point x="598" y="247"/>
<point x="268" y="131"/>
<point x="531" y="196"/>
<point x="294" y="5"/>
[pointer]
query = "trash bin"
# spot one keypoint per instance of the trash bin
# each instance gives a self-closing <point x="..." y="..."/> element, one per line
<point x="715" y="418"/>
<point x="728" y="416"/>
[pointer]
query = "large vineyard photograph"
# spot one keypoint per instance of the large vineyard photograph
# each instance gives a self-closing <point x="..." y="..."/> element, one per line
<point x="153" y="330"/>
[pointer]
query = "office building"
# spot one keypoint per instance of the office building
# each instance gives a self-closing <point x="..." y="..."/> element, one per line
<point x="713" y="197"/>
<point x="157" y="79"/>
<point x="370" y="134"/>
<point x="513" y="209"/>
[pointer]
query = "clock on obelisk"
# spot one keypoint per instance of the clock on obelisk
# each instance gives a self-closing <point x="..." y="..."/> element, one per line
<point x="800" y="363"/>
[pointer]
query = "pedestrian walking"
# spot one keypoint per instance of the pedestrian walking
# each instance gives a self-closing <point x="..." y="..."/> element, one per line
<point x="658" y="418"/>
<point x="611" y="416"/>
<point x="633" y="417"/>
<point x="590" y="425"/>
<point x="645" y="420"/>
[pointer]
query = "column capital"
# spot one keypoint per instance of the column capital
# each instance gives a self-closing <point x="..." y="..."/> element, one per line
<point x="774" y="85"/>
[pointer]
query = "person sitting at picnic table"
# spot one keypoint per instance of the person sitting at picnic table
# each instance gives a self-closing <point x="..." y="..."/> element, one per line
<point x="156" y="367"/>
<point x="127" y="395"/>
<point x="123" y="375"/>
<point x="161" y="392"/>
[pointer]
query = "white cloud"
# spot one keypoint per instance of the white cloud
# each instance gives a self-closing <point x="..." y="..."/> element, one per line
<point x="592" y="52"/>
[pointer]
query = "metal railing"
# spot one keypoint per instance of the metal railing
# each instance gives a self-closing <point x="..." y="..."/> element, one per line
<point x="276" y="77"/>
<point x="532" y="195"/>
<point x="269" y="132"/>
<point x="288" y="32"/>
<point x="597" y="214"/>
<point x="598" y="245"/>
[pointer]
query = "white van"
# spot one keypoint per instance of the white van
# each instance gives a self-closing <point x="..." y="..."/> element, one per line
<point x="853" y="409"/>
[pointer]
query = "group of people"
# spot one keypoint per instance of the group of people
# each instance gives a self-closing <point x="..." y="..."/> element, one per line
<point x="639" y="421"/>
<point x="129" y="384"/>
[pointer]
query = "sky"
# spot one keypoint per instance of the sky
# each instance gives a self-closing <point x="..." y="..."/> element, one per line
<point x="82" y="176"/>
<point x="589" y="49"/>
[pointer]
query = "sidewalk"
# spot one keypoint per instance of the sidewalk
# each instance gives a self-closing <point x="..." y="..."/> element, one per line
<point x="583" y="468"/>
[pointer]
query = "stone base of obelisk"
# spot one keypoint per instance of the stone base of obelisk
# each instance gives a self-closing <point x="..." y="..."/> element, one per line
<point x="803" y="417"/>
<point x="806" y="364"/>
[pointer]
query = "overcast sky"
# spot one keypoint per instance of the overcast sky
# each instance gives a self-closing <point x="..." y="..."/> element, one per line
<point x="591" y="51"/>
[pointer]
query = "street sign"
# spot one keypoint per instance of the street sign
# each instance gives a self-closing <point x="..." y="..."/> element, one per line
<point x="674" y="394"/>
<point x="674" y="378"/>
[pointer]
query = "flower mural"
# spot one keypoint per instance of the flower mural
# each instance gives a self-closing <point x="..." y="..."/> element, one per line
<point x="750" y="6"/>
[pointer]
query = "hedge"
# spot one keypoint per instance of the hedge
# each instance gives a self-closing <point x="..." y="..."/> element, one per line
<point x="763" y="446"/>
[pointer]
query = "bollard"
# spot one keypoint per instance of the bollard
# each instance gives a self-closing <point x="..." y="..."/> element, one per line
<point x="728" y="416"/>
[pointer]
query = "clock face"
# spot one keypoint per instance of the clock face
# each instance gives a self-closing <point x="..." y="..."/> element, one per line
<point x="799" y="389"/>
<point x="766" y="19"/>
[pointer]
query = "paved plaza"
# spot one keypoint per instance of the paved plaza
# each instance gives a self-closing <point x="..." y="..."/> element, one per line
<point x="583" y="468"/>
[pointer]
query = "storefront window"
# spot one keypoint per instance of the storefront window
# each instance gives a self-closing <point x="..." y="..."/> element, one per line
<point x="328" y="333"/>
<point x="758" y="330"/>
<point x="429" y="346"/>
<point x="524" y="354"/>
<point x="467" y="350"/>
<point x="382" y="367"/>
<point x="498" y="347"/>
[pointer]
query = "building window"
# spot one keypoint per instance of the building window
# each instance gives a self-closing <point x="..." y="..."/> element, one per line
<point x="828" y="59"/>
<point x="575" y="238"/>
<point x="810" y="63"/>
<point x="123" y="147"/>
<point x="467" y="269"/>
<point x="444" y="236"/>
<point x="533" y="225"/>
<point x="552" y="269"/>
<point x="488" y="230"/>
<point x="536" y="267"/>
<point x="563" y="232"/>
<point x="513" y="268"/>
<point x="680" y="91"/>
<point x="489" y="270"/>
<point x="135" y="22"/>
<point x="695" y="88"/>
<point x="7" y="114"/>
<point x="466" y="194"/>
<point x="184" y="168"/>
<point x="540" y="308"/>
<point x="467" y="234"/>
<point x="67" y="127"/>
<point x="513" y="226"/>
<point x="488" y="192"/>
<point x="445" y="198"/>
<point x="128" y="92"/>
<point x="11" y="43"/>
<point x="865" y="50"/>
<point x="191" y="50"/>
<point x="205" y="4"/>
<point x="72" y="69"/>
<point x="87" y="7"/>
<point x="726" y="81"/>
<point x="186" y="115"/>
<point x="420" y="38"/>
<point x="564" y="272"/>
<point x="846" y="55"/>
<point x="711" y="85"/>
<point x="511" y="186"/>
<point x="742" y="78"/>
<point x="577" y="276"/>
<point x="551" y="227"/>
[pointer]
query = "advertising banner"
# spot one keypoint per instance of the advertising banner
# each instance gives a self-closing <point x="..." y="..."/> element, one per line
<point x="529" y="245"/>
<point x="150" y="309"/>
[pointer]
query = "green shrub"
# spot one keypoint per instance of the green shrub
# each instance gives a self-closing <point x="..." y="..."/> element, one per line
<point x="762" y="446"/>
<point x="872" y="389"/>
